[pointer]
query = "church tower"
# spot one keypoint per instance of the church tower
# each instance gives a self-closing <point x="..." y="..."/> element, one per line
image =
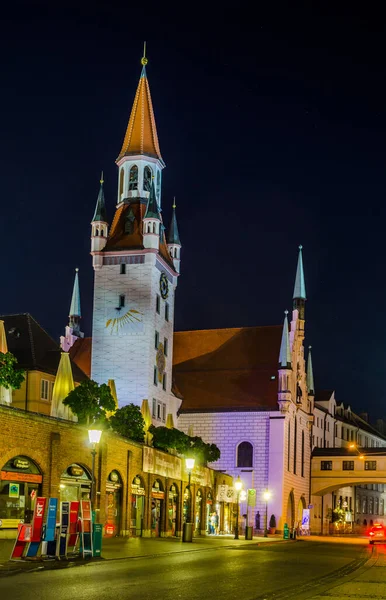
<point x="135" y="274"/>
<point x="72" y="331"/>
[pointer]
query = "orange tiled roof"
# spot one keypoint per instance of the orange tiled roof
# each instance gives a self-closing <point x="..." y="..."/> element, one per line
<point x="227" y="369"/>
<point x="80" y="354"/>
<point x="141" y="133"/>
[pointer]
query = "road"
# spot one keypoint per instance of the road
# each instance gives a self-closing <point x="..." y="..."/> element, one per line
<point x="249" y="572"/>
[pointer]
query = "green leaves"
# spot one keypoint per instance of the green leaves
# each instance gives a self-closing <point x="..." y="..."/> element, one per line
<point x="10" y="376"/>
<point x="165" y="438"/>
<point x="128" y="421"/>
<point x="90" y="401"/>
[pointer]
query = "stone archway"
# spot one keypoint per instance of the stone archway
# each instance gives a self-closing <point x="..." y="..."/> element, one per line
<point x="291" y="510"/>
<point x="301" y="505"/>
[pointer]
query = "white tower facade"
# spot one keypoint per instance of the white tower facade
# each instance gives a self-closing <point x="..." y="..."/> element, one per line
<point x="135" y="278"/>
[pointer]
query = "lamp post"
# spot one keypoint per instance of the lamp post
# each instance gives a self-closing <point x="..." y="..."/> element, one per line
<point x="266" y="497"/>
<point x="94" y="436"/>
<point x="238" y="486"/>
<point x="187" y="529"/>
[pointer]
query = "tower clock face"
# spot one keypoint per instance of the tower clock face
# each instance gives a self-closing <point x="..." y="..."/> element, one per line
<point x="164" y="286"/>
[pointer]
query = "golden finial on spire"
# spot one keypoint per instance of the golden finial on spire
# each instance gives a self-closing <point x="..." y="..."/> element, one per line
<point x="101" y="179"/>
<point x="144" y="60"/>
<point x="174" y="202"/>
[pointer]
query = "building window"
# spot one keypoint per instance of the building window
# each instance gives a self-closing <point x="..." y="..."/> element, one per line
<point x="44" y="389"/>
<point x="159" y="408"/>
<point x="156" y="340"/>
<point x="121" y="300"/>
<point x="289" y="448"/>
<point x="326" y="465"/>
<point x="302" y="453"/>
<point x="166" y="311"/>
<point x="155" y="378"/>
<point x="371" y="505"/>
<point x="154" y="410"/>
<point x="123" y="269"/>
<point x="370" y="465"/>
<point x="376" y="506"/>
<point x="352" y="435"/>
<point x="364" y="505"/>
<point x="244" y="455"/>
<point x="147" y="179"/>
<point x="121" y="180"/>
<point x="164" y="381"/>
<point x="328" y="425"/>
<point x="295" y="444"/>
<point x="166" y="346"/>
<point x="348" y="465"/>
<point x="164" y="412"/>
<point x="133" y="178"/>
<point x="158" y="304"/>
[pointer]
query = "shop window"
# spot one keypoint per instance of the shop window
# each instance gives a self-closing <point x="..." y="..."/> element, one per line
<point x="22" y="477"/>
<point x="244" y="455"/>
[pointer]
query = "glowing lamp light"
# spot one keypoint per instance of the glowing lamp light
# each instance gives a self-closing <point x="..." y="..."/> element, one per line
<point x="189" y="463"/>
<point x="266" y="495"/>
<point x="352" y="446"/>
<point x="243" y="495"/>
<point x="361" y="457"/>
<point x="238" y="484"/>
<point x="94" y="436"/>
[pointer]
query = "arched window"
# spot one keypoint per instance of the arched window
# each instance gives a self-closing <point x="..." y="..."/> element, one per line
<point x="289" y="448"/>
<point x="244" y="455"/>
<point x="147" y="179"/>
<point x="97" y="232"/>
<point x="154" y="227"/>
<point x="133" y="178"/>
<point x="302" y="453"/>
<point x="158" y="184"/>
<point x="175" y="252"/>
<point x="121" y="180"/>
<point x="102" y="232"/>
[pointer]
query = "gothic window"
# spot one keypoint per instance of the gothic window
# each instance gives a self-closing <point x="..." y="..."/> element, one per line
<point x="158" y="184"/>
<point x="97" y="232"/>
<point x="133" y="178"/>
<point x="147" y="179"/>
<point x="289" y="448"/>
<point x="149" y="227"/>
<point x="102" y="233"/>
<point x="245" y="455"/>
<point x="302" y="453"/>
<point x="295" y="444"/>
<point x="129" y="222"/>
<point x="154" y="227"/>
<point x="121" y="180"/>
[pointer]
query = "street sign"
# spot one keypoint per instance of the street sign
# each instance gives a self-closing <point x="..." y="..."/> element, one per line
<point x="310" y="506"/>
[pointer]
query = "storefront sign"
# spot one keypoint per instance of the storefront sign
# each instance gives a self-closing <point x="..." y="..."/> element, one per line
<point x="14" y="490"/>
<point x="109" y="529"/>
<point x="222" y="493"/>
<point x="138" y="491"/>
<point x="200" y="476"/>
<point x="21" y="463"/>
<point x="25" y="477"/>
<point x="159" y="495"/>
<point x="75" y="471"/>
<point x="161" y="464"/>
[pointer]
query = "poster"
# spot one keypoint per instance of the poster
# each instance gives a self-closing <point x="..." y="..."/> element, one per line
<point x="63" y="531"/>
<point x="37" y="527"/>
<point x="14" y="490"/>
<point x="306" y="520"/>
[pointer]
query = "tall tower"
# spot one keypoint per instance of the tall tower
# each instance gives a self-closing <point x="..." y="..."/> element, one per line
<point x="72" y="331"/>
<point x="135" y="276"/>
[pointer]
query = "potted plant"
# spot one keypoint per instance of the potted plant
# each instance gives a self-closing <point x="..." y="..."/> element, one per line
<point x="272" y="524"/>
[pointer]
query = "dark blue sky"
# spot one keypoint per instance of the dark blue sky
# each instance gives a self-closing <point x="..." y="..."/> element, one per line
<point x="272" y="127"/>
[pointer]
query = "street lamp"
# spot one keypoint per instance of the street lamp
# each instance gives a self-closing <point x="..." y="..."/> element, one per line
<point x="238" y="486"/>
<point x="266" y="497"/>
<point x="187" y="529"/>
<point x="94" y="436"/>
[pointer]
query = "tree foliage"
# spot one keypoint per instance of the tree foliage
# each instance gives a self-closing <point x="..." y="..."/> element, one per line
<point x="10" y="376"/>
<point x="128" y="421"/>
<point x="165" y="438"/>
<point x="90" y="401"/>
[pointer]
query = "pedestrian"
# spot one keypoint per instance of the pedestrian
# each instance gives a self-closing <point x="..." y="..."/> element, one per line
<point x="216" y="523"/>
<point x="257" y="521"/>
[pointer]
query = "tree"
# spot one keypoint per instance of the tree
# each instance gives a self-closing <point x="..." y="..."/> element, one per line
<point x="128" y="421"/>
<point x="165" y="438"/>
<point x="10" y="376"/>
<point x="90" y="401"/>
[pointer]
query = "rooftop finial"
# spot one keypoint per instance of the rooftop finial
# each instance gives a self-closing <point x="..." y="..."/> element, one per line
<point x="101" y="179"/>
<point x="77" y="270"/>
<point x="144" y="60"/>
<point x="286" y="312"/>
<point x="174" y="202"/>
<point x="300" y="247"/>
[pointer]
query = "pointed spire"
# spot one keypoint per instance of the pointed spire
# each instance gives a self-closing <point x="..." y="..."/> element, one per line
<point x="300" y="286"/>
<point x="100" y="209"/>
<point x="310" y="374"/>
<point x="173" y="235"/>
<point x="75" y="300"/>
<point x="141" y="133"/>
<point x="152" y="210"/>
<point x="285" y="350"/>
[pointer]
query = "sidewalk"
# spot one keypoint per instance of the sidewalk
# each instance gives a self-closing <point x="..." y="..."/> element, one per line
<point x="120" y="548"/>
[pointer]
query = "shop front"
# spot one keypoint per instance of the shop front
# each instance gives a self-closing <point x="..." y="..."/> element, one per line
<point x="224" y="507"/>
<point x="113" y="504"/>
<point x="172" y="510"/>
<point x="20" y="484"/>
<point x="198" y="512"/>
<point x="186" y="506"/>
<point x="75" y="484"/>
<point x="208" y="512"/>
<point x="157" y="508"/>
<point x="137" y="506"/>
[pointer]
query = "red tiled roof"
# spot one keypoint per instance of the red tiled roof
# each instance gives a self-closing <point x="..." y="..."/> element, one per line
<point x="227" y="369"/>
<point x="80" y="354"/>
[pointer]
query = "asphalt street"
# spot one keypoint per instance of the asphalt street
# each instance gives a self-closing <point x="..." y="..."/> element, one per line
<point x="249" y="572"/>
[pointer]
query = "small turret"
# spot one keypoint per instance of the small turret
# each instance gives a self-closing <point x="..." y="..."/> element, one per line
<point x="72" y="331"/>
<point x="299" y="297"/>
<point x="152" y="221"/>
<point x="285" y="368"/>
<point x="99" y="225"/>
<point x="174" y="243"/>
<point x="310" y="374"/>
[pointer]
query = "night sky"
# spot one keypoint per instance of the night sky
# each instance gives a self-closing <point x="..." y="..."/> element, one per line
<point x="273" y="130"/>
